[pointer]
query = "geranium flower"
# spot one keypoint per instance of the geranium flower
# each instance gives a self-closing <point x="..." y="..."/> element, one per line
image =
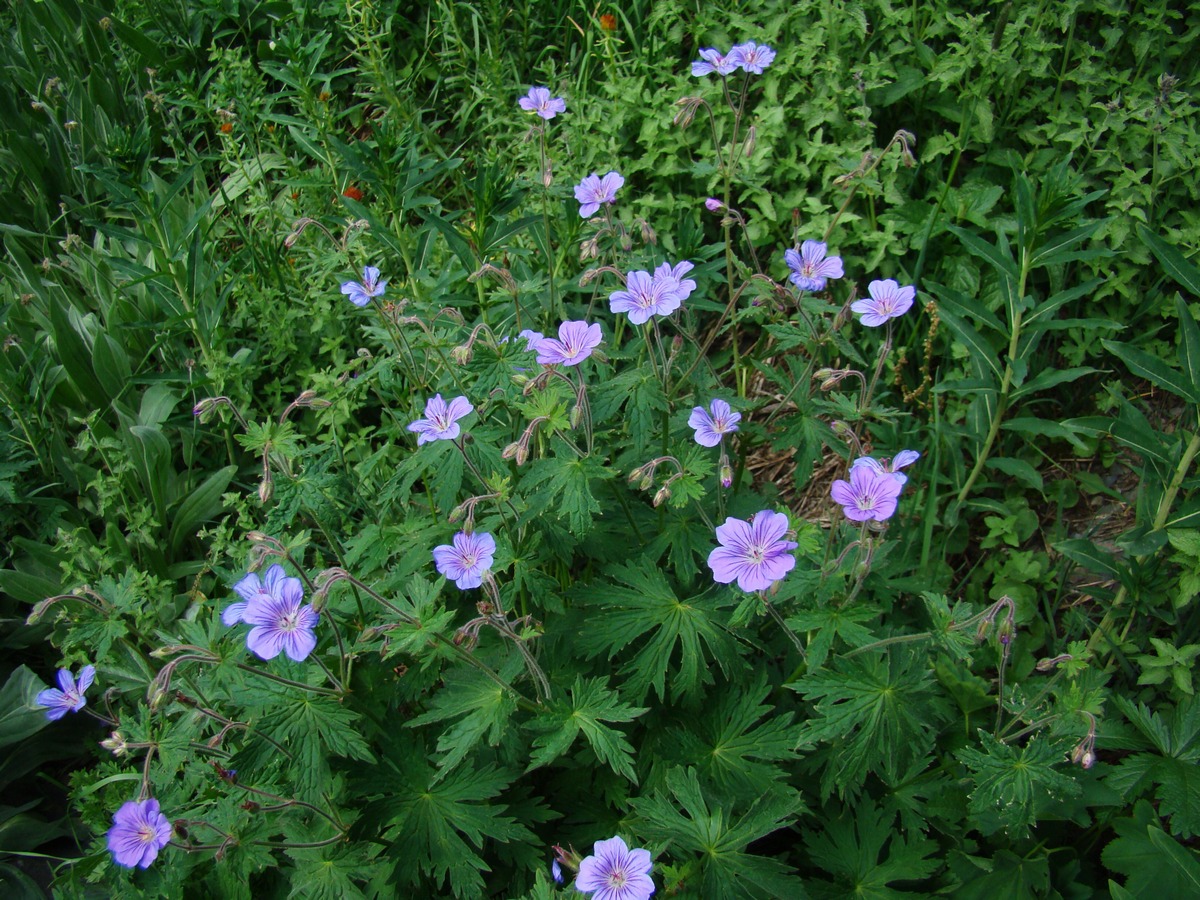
<point x="360" y="294"/>
<point x="711" y="428"/>
<point x="888" y="300"/>
<point x="713" y="61"/>
<point x="672" y="280"/>
<point x="532" y="338"/>
<point x="594" y="191"/>
<point x="868" y="494"/>
<point x="811" y="267"/>
<point x="466" y="560"/>
<point x="539" y="101"/>
<point x="754" y="553"/>
<point x="138" y="832"/>
<point x="250" y="587"/>
<point x="575" y="343"/>
<point x="68" y="696"/>
<point x="902" y="460"/>
<point x="281" y="624"/>
<point x="614" y="872"/>
<point x="643" y="297"/>
<point x="441" y="419"/>
<point x="752" y="57"/>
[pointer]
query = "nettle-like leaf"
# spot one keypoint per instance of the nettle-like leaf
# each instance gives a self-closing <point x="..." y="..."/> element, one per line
<point x="644" y="605"/>
<point x="879" y="713"/>
<point x="733" y="746"/>
<point x="1171" y="769"/>
<point x="865" y="853"/>
<point x="1011" y="782"/>
<point x="481" y="707"/>
<point x="589" y="706"/>
<point x="683" y="818"/>
<point x="436" y="825"/>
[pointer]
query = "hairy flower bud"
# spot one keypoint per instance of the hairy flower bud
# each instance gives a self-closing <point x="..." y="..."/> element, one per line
<point x="576" y="415"/>
<point x="266" y="488"/>
<point x="712" y="204"/>
<point x="663" y="495"/>
<point x="509" y="452"/>
<point x="751" y="141"/>
<point x="461" y="354"/>
<point x="726" y="475"/>
<point x="115" y="743"/>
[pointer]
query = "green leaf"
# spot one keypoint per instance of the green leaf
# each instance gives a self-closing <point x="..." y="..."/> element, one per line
<point x="591" y="704"/>
<point x="1088" y="555"/>
<point x="646" y="607"/>
<point x="1018" y="469"/>
<point x="1153" y="370"/>
<point x="864" y="853"/>
<point x="727" y="871"/>
<point x="1189" y="344"/>
<point x="569" y="481"/>
<point x="1154" y="863"/>
<point x="481" y="706"/>
<point x="1176" y="264"/>
<point x="984" y="358"/>
<point x="1003" y="263"/>
<point x="876" y="711"/>
<point x="1010" y="782"/>
<point x="20" y="716"/>
<point x="199" y="506"/>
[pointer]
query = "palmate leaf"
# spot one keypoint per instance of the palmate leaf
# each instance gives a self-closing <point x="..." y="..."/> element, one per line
<point x="830" y="623"/>
<point x="436" y="827"/>
<point x="1010" y="782"/>
<point x="314" y="728"/>
<point x="879" y="714"/>
<point x="569" y="481"/>
<point x="591" y="704"/>
<point x="687" y="821"/>
<point x="644" y="605"/>
<point x="480" y="706"/>
<point x="732" y="744"/>
<point x="851" y="847"/>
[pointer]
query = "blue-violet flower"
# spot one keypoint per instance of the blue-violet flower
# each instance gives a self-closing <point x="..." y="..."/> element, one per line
<point x="539" y="101"/>
<point x="811" y="267"/>
<point x="888" y="300"/>
<point x="441" y="419"/>
<point x="575" y="343"/>
<point x="68" y="696"/>
<point x="867" y="495"/>
<point x="138" y="832"/>
<point x="360" y="294"/>
<point x="467" y="560"/>
<point x="711" y="428"/>
<point x="614" y="872"/>
<point x="754" y="553"/>
<point x="594" y="191"/>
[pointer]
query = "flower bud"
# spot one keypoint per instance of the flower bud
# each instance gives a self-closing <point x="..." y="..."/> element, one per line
<point x="547" y="176"/>
<point x="726" y="475"/>
<point x="115" y="743"/>
<point x="461" y="354"/>
<point x="663" y="495"/>
<point x="712" y="204"/>
<point x="576" y="415"/>
<point x="687" y="111"/>
<point x="1088" y="759"/>
<point x="266" y="488"/>
<point x="257" y="537"/>
<point x="751" y="141"/>
<point x="509" y="452"/>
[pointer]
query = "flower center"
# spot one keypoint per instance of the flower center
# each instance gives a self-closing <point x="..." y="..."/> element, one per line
<point x="757" y="554"/>
<point x="289" y="621"/>
<point x="865" y="501"/>
<point x="145" y="833"/>
<point x="617" y="878"/>
<point x="469" y="560"/>
<point x="808" y="268"/>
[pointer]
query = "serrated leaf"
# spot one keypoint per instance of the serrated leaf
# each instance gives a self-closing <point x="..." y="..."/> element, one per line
<point x="646" y="607"/>
<point x="591" y="704"/>
<point x="1009" y="781"/>
<point x="481" y="707"/>
<point x="866" y="854"/>
<point x="1154" y="863"/>
<point x="569" y="481"/>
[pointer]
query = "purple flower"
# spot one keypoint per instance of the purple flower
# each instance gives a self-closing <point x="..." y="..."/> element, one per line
<point x="280" y="623"/>
<point x="249" y="588"/>
<point x="753" y="552"/>
<point x="371" y="286"/>
<point x="868" y="494"/>
<point x="903" y="459"/>
<point x="712" y="204"/>
<point x="751" y="57"/>
<point x="68" y="696"/>
<point x="532" y="338"/>
<point x="594" y="190"/>
<point x="441" y="419"/>
<point x="643" y="297"/>
<point x="539" y="101"/>
<point x="888" y="300"/>
<point x="138" y="832"/>
<point x="614" y="872"/>
<point x="710" y="429"/>
<point x="556" y="872"/>
<point x="713" y="61"/>
<point x="467" y="560"/>
<point x="672" y="279"/>
<point x="810" y="267"/>
<point x="575" y="343"/>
